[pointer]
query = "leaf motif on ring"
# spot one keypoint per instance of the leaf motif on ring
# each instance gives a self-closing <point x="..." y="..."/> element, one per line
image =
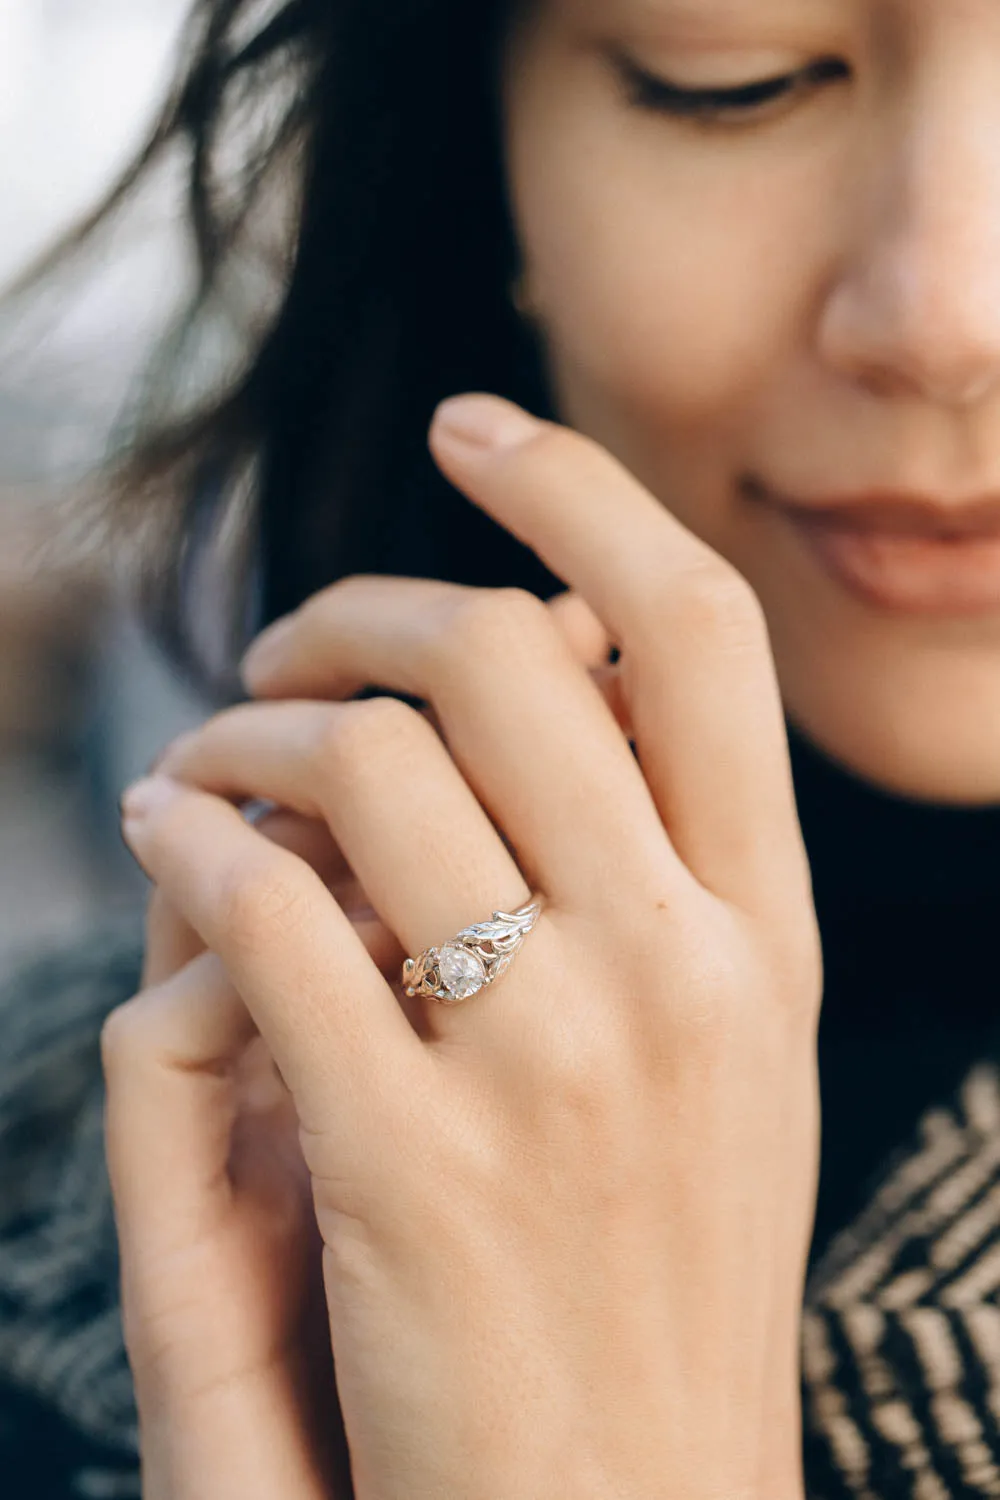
<point x="494" y="943"/>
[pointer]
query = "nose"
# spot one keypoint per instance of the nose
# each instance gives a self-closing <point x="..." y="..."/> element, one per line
<point x="914" y="309"/>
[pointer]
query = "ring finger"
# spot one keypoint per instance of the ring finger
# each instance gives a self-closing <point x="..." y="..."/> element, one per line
<point x="429" y="861"/>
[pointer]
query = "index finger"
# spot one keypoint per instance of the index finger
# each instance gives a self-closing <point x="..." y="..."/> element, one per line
<point x="696" y="667"/>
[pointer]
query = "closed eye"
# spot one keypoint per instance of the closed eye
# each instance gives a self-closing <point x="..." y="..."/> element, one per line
<point x="647" y="91"/>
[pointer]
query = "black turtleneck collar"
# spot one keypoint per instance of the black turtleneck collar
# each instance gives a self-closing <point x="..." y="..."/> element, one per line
<point x="908" y="897"/>
<point x="868" y="846"/>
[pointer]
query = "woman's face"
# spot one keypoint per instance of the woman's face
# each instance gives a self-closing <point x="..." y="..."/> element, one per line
<point x="784" y="317"/>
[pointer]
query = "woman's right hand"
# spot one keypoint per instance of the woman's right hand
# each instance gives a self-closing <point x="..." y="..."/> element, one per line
<point x="222" y="1299"/>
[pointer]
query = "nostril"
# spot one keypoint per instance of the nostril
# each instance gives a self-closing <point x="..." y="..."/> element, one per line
<point x="928" y="380"/>
<point x="911" y="317"/>
<point x="960" y="387"/>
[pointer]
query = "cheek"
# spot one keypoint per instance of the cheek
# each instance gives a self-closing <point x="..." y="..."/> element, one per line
<point x="674" y="277"/>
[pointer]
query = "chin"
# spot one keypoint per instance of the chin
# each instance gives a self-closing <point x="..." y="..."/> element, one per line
<point x="925" y="747"/>
<point x="911" y="705"/>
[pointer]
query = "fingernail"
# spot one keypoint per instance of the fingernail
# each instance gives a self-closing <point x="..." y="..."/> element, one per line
<point x="264" y="652"/>
<point x="146" y="796"/>
<point x="485" y="422"/>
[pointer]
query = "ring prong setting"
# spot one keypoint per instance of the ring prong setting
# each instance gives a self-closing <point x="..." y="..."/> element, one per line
<point x="461" y="973"/>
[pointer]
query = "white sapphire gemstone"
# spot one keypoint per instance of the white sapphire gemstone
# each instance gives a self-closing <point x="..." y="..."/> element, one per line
<point x="461" y="971"/>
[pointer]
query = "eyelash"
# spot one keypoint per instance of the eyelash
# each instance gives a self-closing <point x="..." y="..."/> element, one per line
<point x="711" y="105"/>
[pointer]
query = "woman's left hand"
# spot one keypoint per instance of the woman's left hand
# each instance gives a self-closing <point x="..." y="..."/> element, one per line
<point x="565" y="1224"/>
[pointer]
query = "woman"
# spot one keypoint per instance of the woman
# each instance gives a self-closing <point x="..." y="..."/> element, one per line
<point x="742" y="260"/>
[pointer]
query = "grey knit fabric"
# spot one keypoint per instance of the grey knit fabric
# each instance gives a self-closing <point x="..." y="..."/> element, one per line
<point x="902" y="1316"/>
<point x="60" y="1331"/>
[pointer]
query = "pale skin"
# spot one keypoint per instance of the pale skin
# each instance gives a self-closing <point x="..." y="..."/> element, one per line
<point x="563" y="1227"/>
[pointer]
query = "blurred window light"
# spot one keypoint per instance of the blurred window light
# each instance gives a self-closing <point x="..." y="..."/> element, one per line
<point x="79" y="82"/>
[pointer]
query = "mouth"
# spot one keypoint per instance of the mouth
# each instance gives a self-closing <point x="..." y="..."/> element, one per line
<point x="901" y="553"/>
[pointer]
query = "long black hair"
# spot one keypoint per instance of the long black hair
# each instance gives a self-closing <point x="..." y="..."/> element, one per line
<point x="380" y="123"/>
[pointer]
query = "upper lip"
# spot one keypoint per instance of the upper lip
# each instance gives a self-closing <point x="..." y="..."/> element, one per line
<point x="900" y="514"/>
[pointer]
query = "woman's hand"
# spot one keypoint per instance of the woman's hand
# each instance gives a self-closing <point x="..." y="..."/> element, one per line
<point x="223" y="1304"/>
<point x="222" y="1295"/>
<point x="564" y="1224"/>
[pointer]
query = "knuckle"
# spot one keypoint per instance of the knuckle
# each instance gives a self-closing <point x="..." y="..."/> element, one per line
<point x="491" y="622"/>
<point x="717" y="600"/>
<point x="256" y="903"/>
<point x="354" y="736"/>
<point x="587" y="1075"/>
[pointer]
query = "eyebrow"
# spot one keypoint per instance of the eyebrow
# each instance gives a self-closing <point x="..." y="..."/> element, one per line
<point x="702" y="13"/>
<point x="709" y="23"/>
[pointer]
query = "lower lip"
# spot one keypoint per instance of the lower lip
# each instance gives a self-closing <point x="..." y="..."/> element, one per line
<point x="905" y="573"/>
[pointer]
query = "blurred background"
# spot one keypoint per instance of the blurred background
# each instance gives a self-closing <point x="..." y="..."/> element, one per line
<point x="84" y="704"/>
